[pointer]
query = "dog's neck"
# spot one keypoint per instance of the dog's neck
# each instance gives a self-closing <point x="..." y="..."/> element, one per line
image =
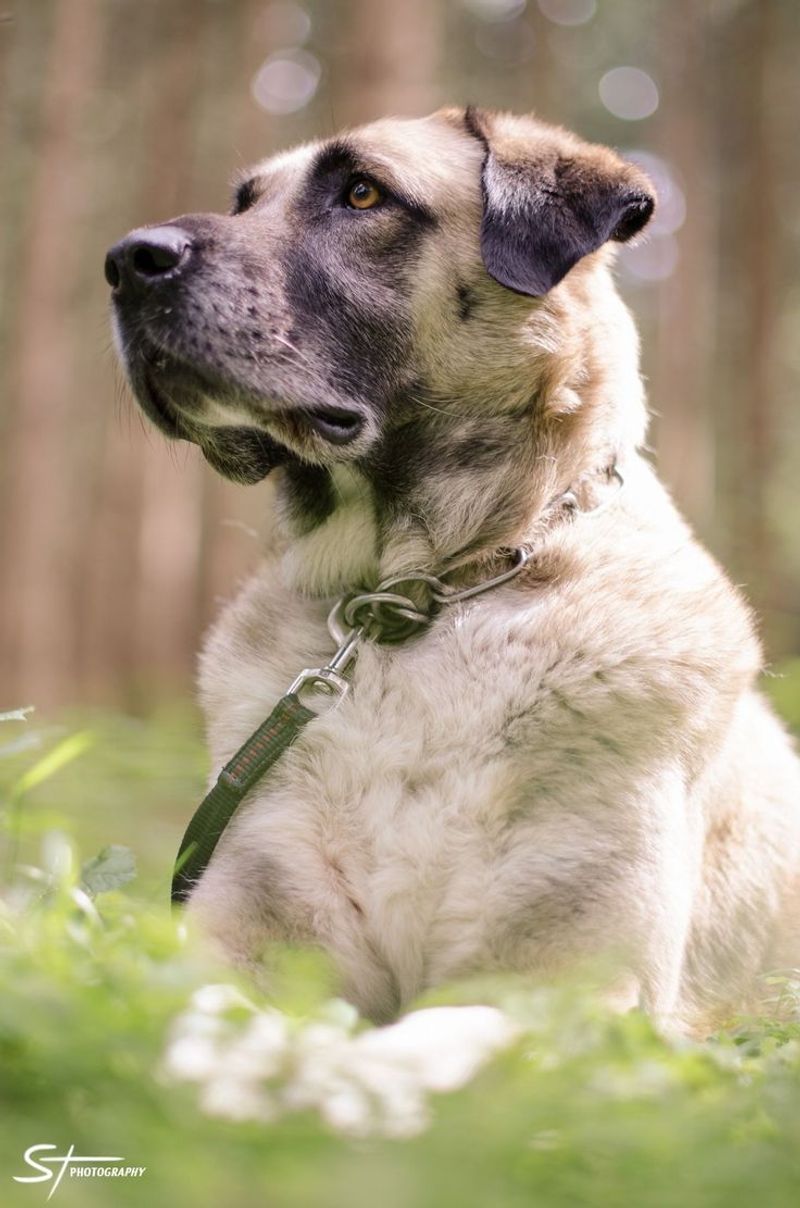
<point x="338" y="549"/>
<point x="348" y="528"/>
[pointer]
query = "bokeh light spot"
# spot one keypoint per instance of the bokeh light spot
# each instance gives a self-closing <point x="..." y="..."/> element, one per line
<point x="653" y="261"/>
<point x="629" y="93"/>
<point x="285" y="24"/>
<point x="670" y="213"/>
<point x="496" y="10"/>
<point x="287" y="81"/>
<point x="568" y="12"/>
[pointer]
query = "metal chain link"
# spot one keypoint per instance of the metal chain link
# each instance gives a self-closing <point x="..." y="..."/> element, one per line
<point x="386" y="615"/>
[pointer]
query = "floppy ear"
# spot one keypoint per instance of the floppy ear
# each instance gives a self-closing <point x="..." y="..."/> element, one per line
<point x="550" y="199"/>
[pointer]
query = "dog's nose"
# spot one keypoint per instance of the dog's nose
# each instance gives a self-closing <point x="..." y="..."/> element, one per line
<point x="146" y="257"/>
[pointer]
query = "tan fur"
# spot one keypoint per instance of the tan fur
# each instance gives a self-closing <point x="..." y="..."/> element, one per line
<point x="577" y="763"/>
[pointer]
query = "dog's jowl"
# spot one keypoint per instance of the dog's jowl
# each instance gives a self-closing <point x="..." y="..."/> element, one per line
<point x="415" y="327"/>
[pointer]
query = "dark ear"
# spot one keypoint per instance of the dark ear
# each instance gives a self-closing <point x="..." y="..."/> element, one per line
<point x="550" y="199"/>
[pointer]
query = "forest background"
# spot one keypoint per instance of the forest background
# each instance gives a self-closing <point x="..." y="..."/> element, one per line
<point x="116" y="547"/>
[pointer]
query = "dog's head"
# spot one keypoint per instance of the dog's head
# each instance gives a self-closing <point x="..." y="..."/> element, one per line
<point x="391" y="272"/>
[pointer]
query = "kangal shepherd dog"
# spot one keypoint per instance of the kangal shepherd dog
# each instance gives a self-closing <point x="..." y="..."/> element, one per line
<point x="415" y="326"/>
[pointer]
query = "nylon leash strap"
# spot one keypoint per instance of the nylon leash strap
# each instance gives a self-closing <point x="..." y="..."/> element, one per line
<point x="262" y="749"/>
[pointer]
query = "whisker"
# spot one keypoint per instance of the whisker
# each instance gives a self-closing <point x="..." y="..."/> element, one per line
<point x="413" y="398"/>
<point x="298" y="352"/>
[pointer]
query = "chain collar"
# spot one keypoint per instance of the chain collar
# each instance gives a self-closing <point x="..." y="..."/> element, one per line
<point x="386" y="615"/>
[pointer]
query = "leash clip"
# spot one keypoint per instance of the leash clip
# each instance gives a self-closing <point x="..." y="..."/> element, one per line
<point x="323" y="679"/>
<point x="331" y="679"/>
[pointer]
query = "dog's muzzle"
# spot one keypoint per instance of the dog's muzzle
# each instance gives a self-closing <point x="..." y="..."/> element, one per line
<point x="186" y="363"/>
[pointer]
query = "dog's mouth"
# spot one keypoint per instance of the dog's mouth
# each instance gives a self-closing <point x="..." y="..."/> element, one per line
<point x="185" y="405"/>
<point x="155" y="403"/>
<point x="336" y="425"/>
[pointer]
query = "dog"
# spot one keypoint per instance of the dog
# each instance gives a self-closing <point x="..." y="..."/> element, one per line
<point x="416" y="328"/>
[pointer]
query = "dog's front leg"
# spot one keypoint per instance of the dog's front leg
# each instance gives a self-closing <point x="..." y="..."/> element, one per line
<point x="657" y="896"/>
<point x="611" y="882"/>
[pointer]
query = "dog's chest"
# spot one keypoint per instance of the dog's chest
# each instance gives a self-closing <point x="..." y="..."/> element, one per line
<point x="387" y="832"/>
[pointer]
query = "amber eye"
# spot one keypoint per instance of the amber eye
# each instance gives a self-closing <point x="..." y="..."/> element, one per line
<point x="363" y="194"/>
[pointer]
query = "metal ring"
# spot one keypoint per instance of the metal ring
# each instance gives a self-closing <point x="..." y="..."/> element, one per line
<point x="416" y="576"/>
<point x="403" y="606"/>
<point x="395" y="610"/>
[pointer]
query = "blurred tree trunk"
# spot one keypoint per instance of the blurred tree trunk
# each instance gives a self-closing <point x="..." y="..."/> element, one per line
<point x="683" y="386"/>
<point x="761" y="223"/>
<point x="40" y="539"/>
<point x="168" y="546"/>
<point x="135" y="600"/>
<point x="750" y="292"/>
<point x="390" y="60"/>
<point x="782" y="98"/>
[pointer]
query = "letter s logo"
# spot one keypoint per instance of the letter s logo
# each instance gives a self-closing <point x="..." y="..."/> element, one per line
<point x="31" y="1161"/>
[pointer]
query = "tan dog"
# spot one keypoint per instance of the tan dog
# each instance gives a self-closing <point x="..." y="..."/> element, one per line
<point x="416" y="326"/>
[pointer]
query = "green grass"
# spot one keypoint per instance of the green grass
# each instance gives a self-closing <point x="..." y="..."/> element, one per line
<point x="582" y="1109"/>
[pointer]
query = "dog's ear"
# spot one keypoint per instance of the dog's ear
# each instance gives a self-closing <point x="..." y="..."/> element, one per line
<point x="550" y="199"/>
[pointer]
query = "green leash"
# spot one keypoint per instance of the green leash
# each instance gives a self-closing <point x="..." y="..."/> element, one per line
<point x="251" y="761"/>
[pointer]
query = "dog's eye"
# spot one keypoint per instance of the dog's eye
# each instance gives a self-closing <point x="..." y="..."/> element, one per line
<point x="364" y="194"/>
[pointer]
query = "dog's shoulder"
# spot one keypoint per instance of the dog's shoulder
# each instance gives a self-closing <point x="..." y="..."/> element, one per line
<point x="639" y="631"/>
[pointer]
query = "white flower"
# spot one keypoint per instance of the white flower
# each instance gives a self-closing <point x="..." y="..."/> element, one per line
<point x="191" y="1058"/>
<point x="216" y="999"/>
<point x="375" y="1081"/>
<point x="236" y="1100"/>
<point x="259" y="1052"/>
